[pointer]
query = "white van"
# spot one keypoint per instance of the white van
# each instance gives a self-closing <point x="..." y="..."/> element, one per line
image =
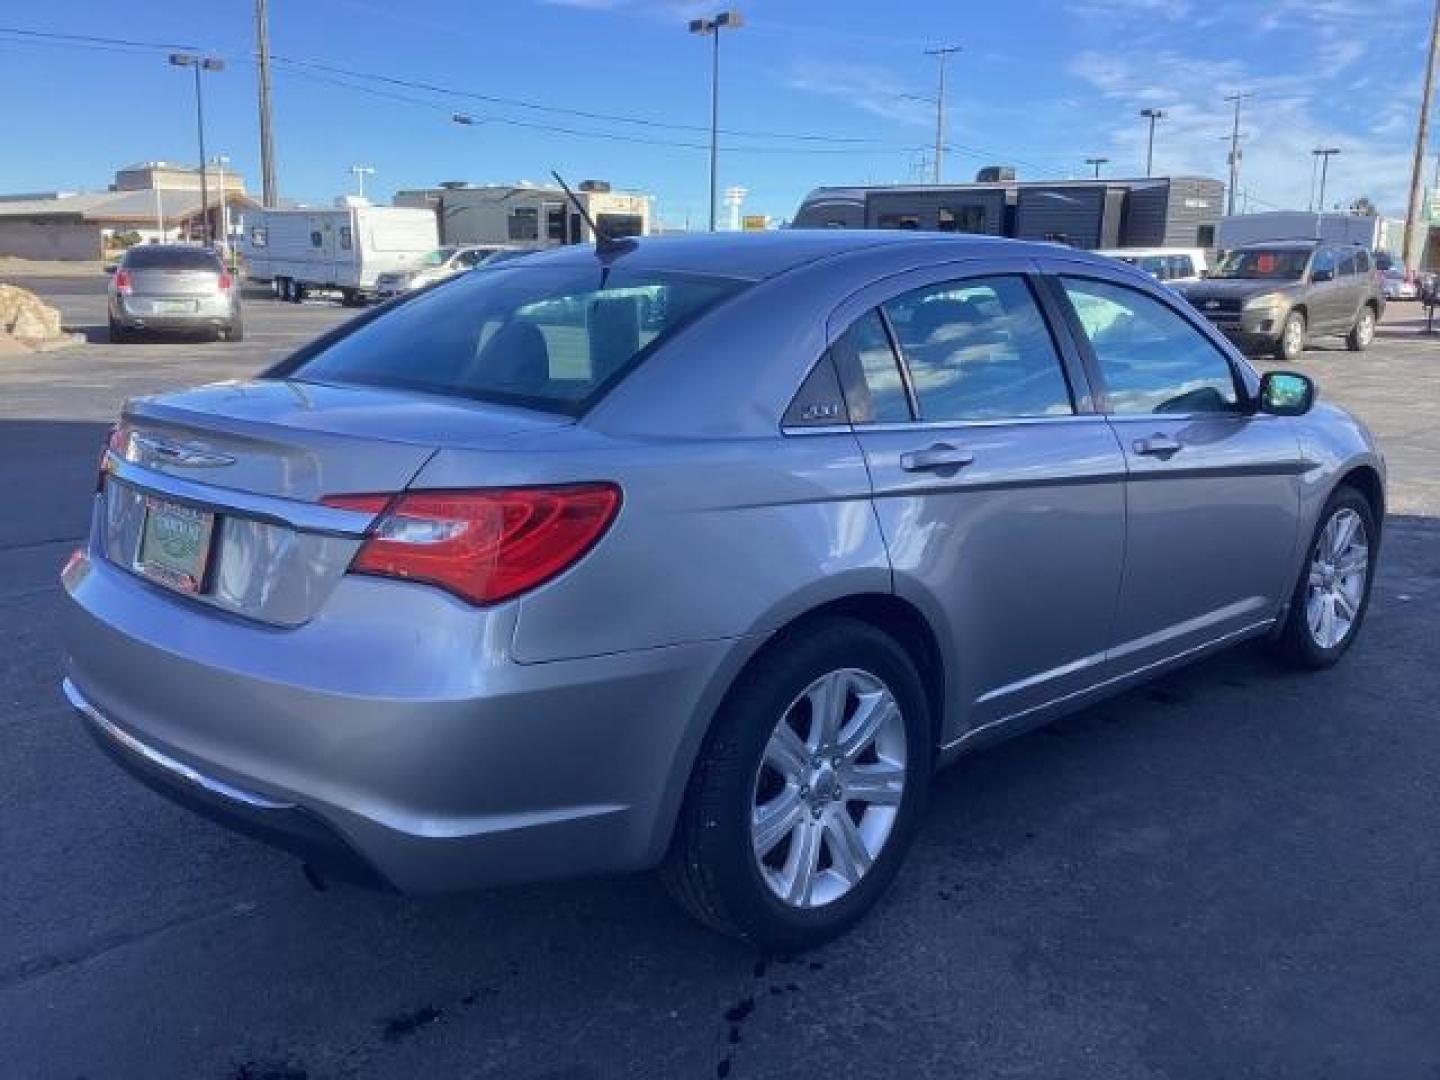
<point x="1169" y="265"/>
<point x="344" y="249"/>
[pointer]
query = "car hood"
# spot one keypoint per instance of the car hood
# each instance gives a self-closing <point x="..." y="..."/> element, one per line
<point x="1235" y="289"/>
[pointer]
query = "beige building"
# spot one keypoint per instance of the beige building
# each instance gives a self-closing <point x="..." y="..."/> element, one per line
<point x="154" y="199"/>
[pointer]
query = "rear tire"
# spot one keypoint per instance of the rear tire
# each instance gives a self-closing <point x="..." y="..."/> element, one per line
<point x="1327" y="608"/>
<point x="1363" y="332"/>
<point x="119" y="335"/>
<point x="1291" y="345"/>
<point x="838" y="793"/>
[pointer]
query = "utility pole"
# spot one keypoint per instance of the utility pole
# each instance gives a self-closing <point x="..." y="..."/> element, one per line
<point x="1096" y="162"/>
<point x="942" y="54"/>
<point x="1413" y="246"/>
<point x="1237" y="98"/>
<point x="1152" y="115"/>
<point x="268" y="194"/>
<point x="726" y="20"/>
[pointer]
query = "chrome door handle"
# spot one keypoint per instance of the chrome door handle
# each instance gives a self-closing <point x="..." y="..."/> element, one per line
<point x="1158" y="446"/>
<point x="939" y="456"/>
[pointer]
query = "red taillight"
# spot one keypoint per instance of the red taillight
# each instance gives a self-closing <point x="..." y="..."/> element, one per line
<point x="114" y="443"/>
<point x="486" y="545"/>
<point x="122" y="281"/>
<point x="225" y="281"/>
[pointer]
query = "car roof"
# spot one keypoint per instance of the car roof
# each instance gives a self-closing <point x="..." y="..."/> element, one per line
<point x="759" y="255"/>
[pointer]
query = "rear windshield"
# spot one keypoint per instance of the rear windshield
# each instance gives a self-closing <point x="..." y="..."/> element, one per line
<point x="539" y="337"/>
<point x="157" y="258"/>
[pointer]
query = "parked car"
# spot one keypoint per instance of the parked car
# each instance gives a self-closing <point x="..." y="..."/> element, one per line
<point x="1170" y="265"/>
<point x="1399" y="284"/>
<point x="173" y="287"/>
<point x="436" y="266"/>
<point x="1275" y="297"/>
<point x="701" y="553"/>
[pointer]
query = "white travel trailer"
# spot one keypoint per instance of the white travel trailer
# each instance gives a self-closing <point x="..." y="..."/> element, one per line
<point x="344" y="249"/>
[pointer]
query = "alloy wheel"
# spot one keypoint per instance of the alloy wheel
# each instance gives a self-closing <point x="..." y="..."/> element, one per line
<point x="828" y="788"/>
<point x="1365" y="328"/>
<point x="1339" y="567"/>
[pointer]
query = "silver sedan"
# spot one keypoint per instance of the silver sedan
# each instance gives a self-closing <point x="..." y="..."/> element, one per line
<point x="174" y="287"/>
<point x="696" y="553"/>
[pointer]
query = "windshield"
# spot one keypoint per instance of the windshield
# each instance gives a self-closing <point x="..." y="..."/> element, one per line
<point x="544" y="338"/>
<point x="1275" y="264"/>
<point x="438" y="257"/>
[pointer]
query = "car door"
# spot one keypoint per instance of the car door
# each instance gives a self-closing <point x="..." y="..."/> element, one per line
<point x="1326" y="296"/>
<point x="1350" y="290"/>
<point x="1213" y="495"/>
<point x="999" y="491"/>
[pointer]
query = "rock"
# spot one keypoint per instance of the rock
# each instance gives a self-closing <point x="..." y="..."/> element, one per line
<point x="25" y="317"/>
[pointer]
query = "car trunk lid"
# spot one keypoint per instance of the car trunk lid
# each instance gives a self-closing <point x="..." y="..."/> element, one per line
<point x="251" y="462"/>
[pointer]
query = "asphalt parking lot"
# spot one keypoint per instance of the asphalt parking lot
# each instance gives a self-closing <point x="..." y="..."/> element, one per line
<point x="1230" y="873"/>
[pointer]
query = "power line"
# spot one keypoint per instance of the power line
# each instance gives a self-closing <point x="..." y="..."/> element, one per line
<point x="93" y="39"/>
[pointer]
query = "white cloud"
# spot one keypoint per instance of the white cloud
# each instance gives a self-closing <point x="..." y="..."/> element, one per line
<point x="876" y="90"/>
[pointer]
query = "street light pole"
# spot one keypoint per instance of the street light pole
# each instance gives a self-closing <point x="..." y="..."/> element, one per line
<point x="1324" y="154"/>
<point x="726" y="20"/>
<point x="360" y="172"/>
<point x="1097" y="162"/>
<point x="1234" y="153"/>
<point x="220" y="162"/>
<point x="1414" y="248"/>
<point x="942" y="54"/>
<point x="200" y="63"/>
<point x="1152" y="115"/>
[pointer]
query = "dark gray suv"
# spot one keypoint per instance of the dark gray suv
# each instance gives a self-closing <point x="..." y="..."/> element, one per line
<point x="1273" y="297"/>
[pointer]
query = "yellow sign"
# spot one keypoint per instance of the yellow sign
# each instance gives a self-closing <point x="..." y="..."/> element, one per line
<point x="755" y="223"/>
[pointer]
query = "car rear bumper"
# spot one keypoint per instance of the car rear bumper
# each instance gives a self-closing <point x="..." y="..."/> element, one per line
<point x="146" y="314"/>
<point x="471" y="770"/>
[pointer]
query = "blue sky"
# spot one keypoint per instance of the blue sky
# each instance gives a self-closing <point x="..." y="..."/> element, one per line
<point x="1041" y="84"/>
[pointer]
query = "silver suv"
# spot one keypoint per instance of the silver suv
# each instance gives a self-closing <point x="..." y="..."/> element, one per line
<point x="698" y="553"/>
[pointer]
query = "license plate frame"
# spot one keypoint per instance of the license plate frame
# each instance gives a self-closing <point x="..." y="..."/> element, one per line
<point x="174" y="307"/>
<point x="184" y="537"/>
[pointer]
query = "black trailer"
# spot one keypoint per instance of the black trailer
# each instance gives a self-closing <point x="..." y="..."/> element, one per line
<point x="1175" y="211"/>
<point x="1083" y="214"/>
<point x="986" y="209"/>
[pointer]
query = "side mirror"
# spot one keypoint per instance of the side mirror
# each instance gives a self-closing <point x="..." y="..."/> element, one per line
<point x="1317" y="276"/>
<point x="1286" y="393"/>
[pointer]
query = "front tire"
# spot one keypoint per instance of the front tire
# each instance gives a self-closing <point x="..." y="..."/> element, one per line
<point x="1363" y="332"/>
<point x="1328" y="606"/>
<point x="807" y="791"/>
<point x="1292" y="338"/>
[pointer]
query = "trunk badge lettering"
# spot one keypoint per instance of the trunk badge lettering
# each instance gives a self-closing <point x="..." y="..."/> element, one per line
<point x="184" y="455"/>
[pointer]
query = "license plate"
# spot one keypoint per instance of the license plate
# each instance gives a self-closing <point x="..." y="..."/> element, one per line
<point x="174" y="307"/>
<point x="175" y="544"/>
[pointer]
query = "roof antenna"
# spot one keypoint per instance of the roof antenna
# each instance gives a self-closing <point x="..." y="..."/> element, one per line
<point x="604" y="243"/>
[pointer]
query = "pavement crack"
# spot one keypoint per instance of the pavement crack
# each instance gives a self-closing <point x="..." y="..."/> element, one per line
<point x="37" y="967"/>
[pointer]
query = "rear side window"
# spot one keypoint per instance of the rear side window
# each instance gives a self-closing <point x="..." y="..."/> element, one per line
<point x="169" y="258"/>
<point x="552" y="339"/>
<point x="979" y="349"/>
<point x="1151" y="359"/>
<point x="874" y="387"/>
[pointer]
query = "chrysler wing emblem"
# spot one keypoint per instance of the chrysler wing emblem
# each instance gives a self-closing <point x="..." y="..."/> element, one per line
<point x="185" y="455"/>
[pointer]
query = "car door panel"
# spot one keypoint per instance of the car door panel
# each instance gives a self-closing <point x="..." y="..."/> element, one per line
<point x="1011" y="530"/>
<point x="1213" y="497"/>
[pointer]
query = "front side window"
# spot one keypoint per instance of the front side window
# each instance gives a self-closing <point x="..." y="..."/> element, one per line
<point x="979" y="349"/>
<point x="1151" y="359"/>
<point x="551" y="339"/>
<point x="1324" y="264"/>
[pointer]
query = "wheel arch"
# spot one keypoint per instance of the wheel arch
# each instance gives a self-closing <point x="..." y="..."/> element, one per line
<point x="1366" y="480"/>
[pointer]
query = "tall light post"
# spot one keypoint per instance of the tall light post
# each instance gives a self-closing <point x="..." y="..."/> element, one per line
<point x="200" y="63"/>
<point x="1096" y="162"/>
<point x="1236" y="99"/>
<point x="1413" y="243"/>
<point x="220" y="161"/>
<point x="360" y="172"/>
<point x="726" y="20"/>
<point x="1324" y="153"/>
<point x="941" y="54"/>
<point x="1152" y="115"/>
